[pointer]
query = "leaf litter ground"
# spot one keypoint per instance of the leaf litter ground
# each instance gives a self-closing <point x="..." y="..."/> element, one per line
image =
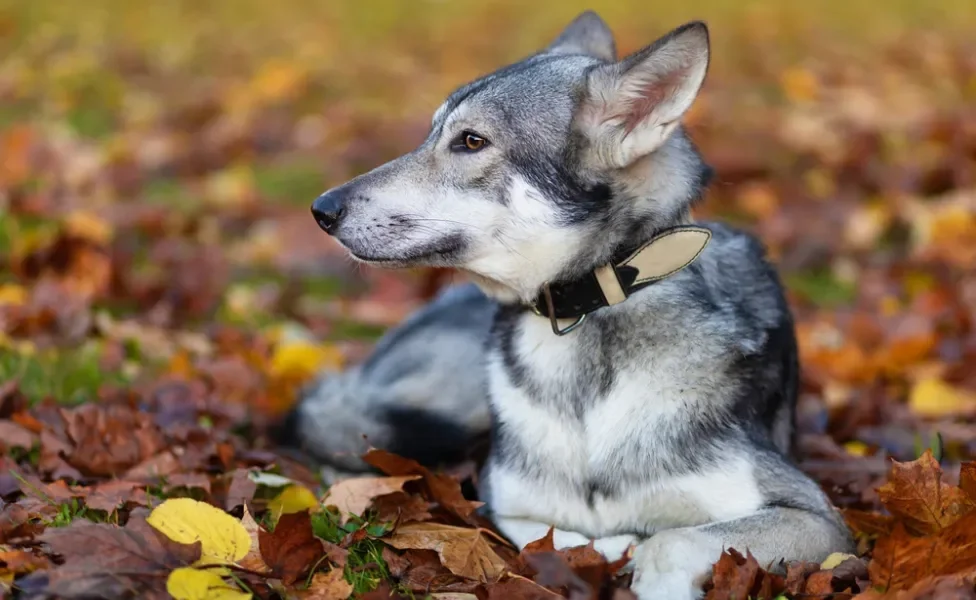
<point x="164" y="293"/>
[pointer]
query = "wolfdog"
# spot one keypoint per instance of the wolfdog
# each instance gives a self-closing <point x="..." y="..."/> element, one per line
<point x="641" y="367"/>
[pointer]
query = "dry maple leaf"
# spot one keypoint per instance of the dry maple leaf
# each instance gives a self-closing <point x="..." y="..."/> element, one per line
<point x="916" y="494"/>
<point x="464" y="551"/>
<point x="737" y="577"/>
<point x="327" y="586"/>
<point x="442" y="489"/>
<point x="353" y="496"/>
<point x="291" y="549"/>
<point x="901" y="560"/>
<point x="252" y="560"/>
<point x="110" y="561"/>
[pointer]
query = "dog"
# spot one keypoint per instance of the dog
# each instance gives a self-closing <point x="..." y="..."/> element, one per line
<point x="641" y="367"/>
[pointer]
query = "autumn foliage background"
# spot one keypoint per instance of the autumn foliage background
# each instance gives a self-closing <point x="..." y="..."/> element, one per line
<point x="164" y="291"/>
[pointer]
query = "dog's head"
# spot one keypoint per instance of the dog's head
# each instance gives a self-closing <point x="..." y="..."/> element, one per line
<point x="540" y="170"/>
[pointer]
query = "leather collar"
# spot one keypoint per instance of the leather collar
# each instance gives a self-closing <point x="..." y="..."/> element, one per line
<point x="664" y="255"/>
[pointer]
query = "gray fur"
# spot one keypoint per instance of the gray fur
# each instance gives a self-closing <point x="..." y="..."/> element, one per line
<point x="664" y="422"/>
<point x="421" y="393"/>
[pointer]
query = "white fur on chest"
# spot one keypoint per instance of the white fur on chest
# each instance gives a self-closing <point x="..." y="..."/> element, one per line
<point x="567" y="450"/>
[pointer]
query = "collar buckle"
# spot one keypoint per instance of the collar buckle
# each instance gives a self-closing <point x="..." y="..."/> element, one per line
<point x="552" y="314"/>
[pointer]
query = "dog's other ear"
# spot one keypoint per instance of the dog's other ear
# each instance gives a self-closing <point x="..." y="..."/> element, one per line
<point x="588" y="35"/>
<point x="632" y="106"/>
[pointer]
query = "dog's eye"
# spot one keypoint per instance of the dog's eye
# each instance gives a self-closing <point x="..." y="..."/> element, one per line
<point x="468" y="142"/>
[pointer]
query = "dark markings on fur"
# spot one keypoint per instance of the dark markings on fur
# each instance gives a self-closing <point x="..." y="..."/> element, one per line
<point x="424" y="436"/>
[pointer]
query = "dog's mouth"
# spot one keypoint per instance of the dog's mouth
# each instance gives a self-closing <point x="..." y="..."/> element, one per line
<point x="442" y="253"/>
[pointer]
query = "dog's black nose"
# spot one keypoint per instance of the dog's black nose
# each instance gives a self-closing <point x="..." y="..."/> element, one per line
<point x="327" y="209"/>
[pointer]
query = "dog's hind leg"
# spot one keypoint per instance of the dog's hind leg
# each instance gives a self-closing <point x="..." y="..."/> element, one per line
<point x="674" y="564"/>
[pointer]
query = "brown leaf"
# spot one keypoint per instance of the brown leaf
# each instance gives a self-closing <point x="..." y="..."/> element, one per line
<point x="109" y="440"/>
<point x="291" y="549"/>
<point x="796" y="575"/>
<point x="113" y="561"/>
<point x="916" y="494"/>
<point x="20" y="561"/>
<point x="253" y="560"/>
<point x="401" y="507"/>
<point x="464" y="551"/>
<point x="241" y="489"/>
<point x="967" y="479"/>
<point x="737" y="577"/>
<point x="110" y="495"/>
<point x="327" y="586"/>
<point x="353" y="496"/>
<point x="519" y="588"/>
<point x="442" y="489"/>
<point x="900" y="560"/>
<point x="868" y="523"/>
<point x="543" y="544"/>
<point x="554" y="572"/>
<point x="13" y="435"/>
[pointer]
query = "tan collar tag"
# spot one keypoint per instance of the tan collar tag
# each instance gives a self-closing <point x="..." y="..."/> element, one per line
<point x="661" y="257"/>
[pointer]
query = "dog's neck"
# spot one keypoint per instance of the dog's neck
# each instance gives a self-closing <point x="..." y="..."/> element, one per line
<point x="609" y="270"/>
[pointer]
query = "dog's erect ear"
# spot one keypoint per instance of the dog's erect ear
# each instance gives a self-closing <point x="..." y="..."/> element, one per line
<point x="588" y="35"/>
<point x="633" y="106"/>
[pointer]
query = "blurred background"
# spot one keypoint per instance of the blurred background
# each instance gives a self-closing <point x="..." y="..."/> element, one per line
<point x="157" y="162"/>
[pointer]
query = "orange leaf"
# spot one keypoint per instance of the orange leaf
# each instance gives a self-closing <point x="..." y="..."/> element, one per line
<point x="916" y="494"/>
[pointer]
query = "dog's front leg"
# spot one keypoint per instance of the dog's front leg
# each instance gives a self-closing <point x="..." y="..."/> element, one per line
<point x="521" y="532"/>
<point x="675" y="563"/>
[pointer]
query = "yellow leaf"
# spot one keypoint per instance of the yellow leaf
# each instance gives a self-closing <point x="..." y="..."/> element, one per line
<point x="934" y="398"/>
<point x="187" y="583"/>
<point x="301" y="359"/>
<point x="835" y="559"/>
<point x="222" y="538"/>
<point x="856" y="448"/>
<point x="89" y="227"/>
<point x="11" y="293"/>
<point x="293" y="499"/>
<point x="799" y="84"/>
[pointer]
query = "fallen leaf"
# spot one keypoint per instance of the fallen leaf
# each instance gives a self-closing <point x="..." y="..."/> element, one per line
<point x="241" y="489"/>
<point x="401" y="507"/>
<point x="444" y="490"/>
<point x="327" y="586"/>
<point x="737" y="577"/>
<point x="293" y="499"/>
<point x="252" y="560"/>
<point x="967" y="479"/>
<point x="353" y="496"/>
<point x="552" y="571"/>
<point x="901" y="560"/>
<point x="291" y="549"/>
<point x="935" y="398"/>
<point x="187" y="583"/>
<point x="13" y="435"/>
<point x="111" y="561"/>
<point x="834" y="560"/>
<point x="222" y="537"/>
<point x="111" y="495"/>
<point x="916" y="494"/>
<point x="465" y="552"/>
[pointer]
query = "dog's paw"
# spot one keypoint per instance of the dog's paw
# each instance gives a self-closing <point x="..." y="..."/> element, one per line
<point x="614" y="547"/>
<point x="673" y="565"/>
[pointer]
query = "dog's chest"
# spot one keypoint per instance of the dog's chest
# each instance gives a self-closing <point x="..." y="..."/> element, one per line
<point x="589" y="407"/>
